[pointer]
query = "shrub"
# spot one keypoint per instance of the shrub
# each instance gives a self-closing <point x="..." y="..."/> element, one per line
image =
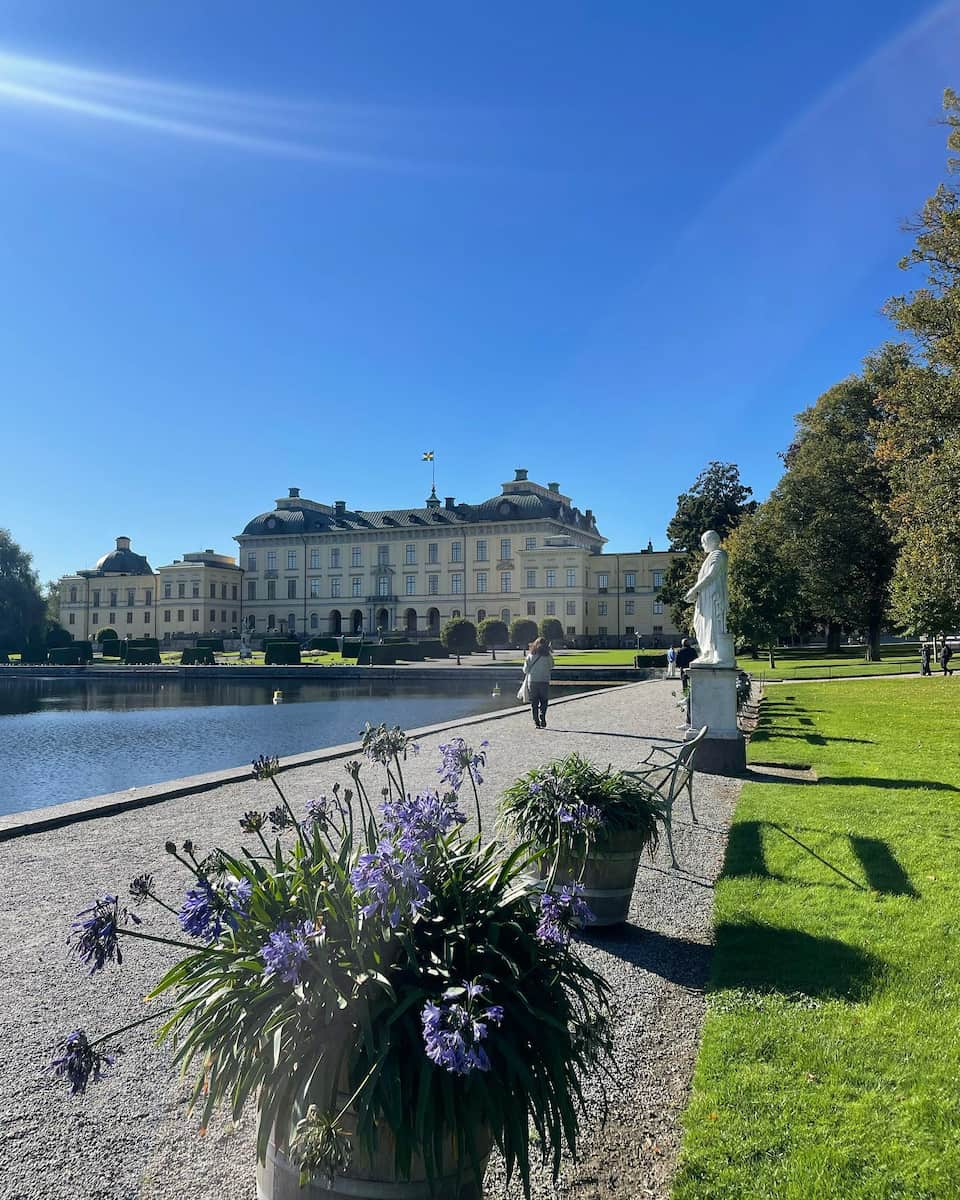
<point x="324" y="643"/>
<point x="277" y="654"/>
<point x="201" y="656"/>
<point x="433" y="648"/>
<point x="573" y="803"/>
<point x="459" y="636"/>
<point x="492" y="633"/>
<point x="551" y="629"/>
<point x="106" y="635"/>
<point x="86" y="651"/>
<point x="66" y="656"/>
<point x="210" y="643"/>
<point x="142" y="656"/>
<point x="377" y="656"/>
<point x="145" y="643"/>
<point x="351" y="647"/>
<point x="58" y="636"/>
<point x="409" y="651"/>
<point x="523" y="631"/>
<point x="111" y="648"/>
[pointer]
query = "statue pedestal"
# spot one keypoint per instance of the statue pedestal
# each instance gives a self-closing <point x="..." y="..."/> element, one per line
<point x="713" y="702"/>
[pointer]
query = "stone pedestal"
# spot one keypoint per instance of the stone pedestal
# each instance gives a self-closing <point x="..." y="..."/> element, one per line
<point x="713" y="702"/>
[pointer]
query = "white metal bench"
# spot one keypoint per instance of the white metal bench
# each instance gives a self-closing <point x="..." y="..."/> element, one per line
<point x="667" y="777"/>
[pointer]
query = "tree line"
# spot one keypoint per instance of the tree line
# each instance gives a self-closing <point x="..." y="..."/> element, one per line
<point x="862" y="532"/>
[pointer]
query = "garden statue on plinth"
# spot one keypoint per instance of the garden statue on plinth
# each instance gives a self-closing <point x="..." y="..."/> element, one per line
<point x="713" y="676"/>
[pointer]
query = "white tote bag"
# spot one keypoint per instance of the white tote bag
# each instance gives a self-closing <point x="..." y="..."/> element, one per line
<point x="523" y="695"/>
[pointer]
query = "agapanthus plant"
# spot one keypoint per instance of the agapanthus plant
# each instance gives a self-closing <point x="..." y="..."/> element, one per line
<point x="365" y="971"/>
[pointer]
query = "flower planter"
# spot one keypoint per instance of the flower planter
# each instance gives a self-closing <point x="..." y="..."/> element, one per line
<point x="609" y="875"/>
<point x="374" y="1178"/>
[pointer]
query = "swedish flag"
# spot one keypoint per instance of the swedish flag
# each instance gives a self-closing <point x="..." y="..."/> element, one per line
<point x="428" y="456"/>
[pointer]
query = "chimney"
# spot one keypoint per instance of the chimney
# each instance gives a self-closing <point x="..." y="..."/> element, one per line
<point x="340" y="507"/>
<point x="449" y="502"/>
<point x="294" y="493"/>
<point x="553" y="487"/>
<point x="588" y="515"/>
<point x="123" y="543"/>
<point x="208" y="551"/>
<point x="520" y="474"/>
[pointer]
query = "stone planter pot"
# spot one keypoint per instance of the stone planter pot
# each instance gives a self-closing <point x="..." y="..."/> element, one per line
<point x="609" y="876"/>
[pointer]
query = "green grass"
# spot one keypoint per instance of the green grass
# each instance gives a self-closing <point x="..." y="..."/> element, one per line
<point x="597" y="658"/>
<point x="849" y="662"/>
<point x="831" y="1049"/>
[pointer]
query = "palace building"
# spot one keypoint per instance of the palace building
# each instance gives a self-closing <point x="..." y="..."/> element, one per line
<point x="310" y="567"/>
<point x="307" y="567"/>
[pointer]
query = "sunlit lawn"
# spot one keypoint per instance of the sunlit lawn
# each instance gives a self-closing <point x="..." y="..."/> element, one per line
<point x="803" y="663"/>
<point x="831" y="1049"/>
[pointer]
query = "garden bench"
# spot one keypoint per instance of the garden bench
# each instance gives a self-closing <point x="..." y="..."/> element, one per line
<point x="667" y="777"/>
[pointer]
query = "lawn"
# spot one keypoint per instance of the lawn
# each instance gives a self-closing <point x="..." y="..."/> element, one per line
<point x="806" y="663"/>
<point x="831" y="1049"/>
<point x="597" y="658"/>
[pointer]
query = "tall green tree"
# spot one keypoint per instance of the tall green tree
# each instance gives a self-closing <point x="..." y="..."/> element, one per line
<point x="765" y="587"/>
<point x="717" y="500"/>
<point x="51" y="596"/>
<point x="22" y="607"/>
<point x="918" y="408"/>
<point x="835" y="496"/>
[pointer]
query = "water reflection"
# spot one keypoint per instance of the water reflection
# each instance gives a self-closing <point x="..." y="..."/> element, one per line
<point x="66" y="739"/>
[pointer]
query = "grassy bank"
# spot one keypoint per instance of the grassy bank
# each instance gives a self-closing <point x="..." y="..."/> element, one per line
<point x="831" y="1047"/>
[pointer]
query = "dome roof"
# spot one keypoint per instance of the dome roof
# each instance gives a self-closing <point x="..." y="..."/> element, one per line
<point x="123" y="562"/>
<point x="289" y="520"/>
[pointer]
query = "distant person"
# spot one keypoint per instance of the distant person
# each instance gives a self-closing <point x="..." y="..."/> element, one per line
<point x="536" y="673"/>
<point x="925" y="659"/>
<point x="672" y="662"/>
<point x="945" y="655"/>
<point x="684" y="657"/>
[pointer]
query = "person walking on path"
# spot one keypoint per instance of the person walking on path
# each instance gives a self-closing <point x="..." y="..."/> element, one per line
<point x="945" y="655"/>
<point x="536" y="673"/>
<point x="925" y="659"/>
<point x="672" y="662"/>
<point x="684" y="657"/>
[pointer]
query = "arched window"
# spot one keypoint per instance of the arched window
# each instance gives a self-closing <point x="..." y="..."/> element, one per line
<point x="433" y="620"/>
<point x="455" y="613"/>
<point x="481" y="614"/>
<point x="314" y="621"/>
<point x="410" y="619"/>
<point x="251" y="622"/>
<point x="336" y="622"/>
<point x="505" y="615"/>
<point x="291" y="623"/>
<point x="271" y="621"/>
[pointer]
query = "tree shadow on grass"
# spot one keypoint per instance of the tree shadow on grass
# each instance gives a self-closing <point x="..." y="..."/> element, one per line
<point x="676" y="959"/>
<point x="764" y="733"/>
<point x="883" y="871"/>
<point x="765" y="958"/>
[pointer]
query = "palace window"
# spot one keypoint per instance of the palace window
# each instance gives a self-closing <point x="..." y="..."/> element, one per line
<point x="603" y="580"/>
<point x="213" y="615"/>
<point x="383" y="556"/>
<point x="411" y="585"/>
<point x="531" y="543"/>
<point x="167" y="593"/>
<point x="73" y="619"/>
<point x="506" y="581"/>
<point x="148" y="597"/>
<point x="433" y="584"/>
<point x="335" y="586"/>
<point x="291" y="560"/>
<point x="481" y="615"/>
<point x="571" y="608"/>
<point x="456" y="551"/>
<point x="223" y="591"/>
<point x="251" y="589"/>
<point x="629" y="607"/>
<point x="630" y="580"/>
<point x="410" y="553"/>
<point x="456" y="583"/>
<point x="196" y="614"/>
<point x="314" y="588"/>
<point x="657" y="608"/>
<point x="433" y="552"/>
<point x="291" y="589"/>
<point x="233" y="591"/>
<point x="213" y="590"/>
<point x="505" y="548"/>
<point x="113" y="600"/>
<point x="271" y="589"/>
<point x="531" y="577"/>
<point x="482" y="550"/>
<point x="129" y="618"/>
<point x="73" y="595"/>
<point x="551" y="579"/>
<point x="251" y="562"/>
<point x="551" y="608"/>
<point x="166" y="617"/>
<point x="356" y="585"/>
<point x="531" y="608"/>
<point x="131" y="597"/>
<point x="356" y="556"/>
<point x="195" y="589"/>
<point x="571" y="577"/>
<point x="96" y="618"/>
<point x="271" y="560"/>
<point x="113" y="618"/>
<point x="314" y="621"/>
<point x="481" y="581"/>
<point x="314" y="559"/>
<point x="383" y="585"/>
<point x="335" y="559"/>
<point x="658" y="579"/>
<point x="601" y="608"/>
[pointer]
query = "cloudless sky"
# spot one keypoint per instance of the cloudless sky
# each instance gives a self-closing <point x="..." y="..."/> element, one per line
<point x="245" y="246"/>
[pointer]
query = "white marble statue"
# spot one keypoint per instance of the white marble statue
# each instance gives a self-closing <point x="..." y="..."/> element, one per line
<point x="709" y="594"/>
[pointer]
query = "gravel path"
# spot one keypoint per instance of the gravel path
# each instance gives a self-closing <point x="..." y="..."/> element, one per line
<point x="130" y="1138"/>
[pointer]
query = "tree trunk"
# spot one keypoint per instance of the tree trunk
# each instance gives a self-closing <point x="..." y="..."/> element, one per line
<point x="754" y="652"/>
<point x="493" y="651"/>
<point x="873" y="643"/>
<point x="833" y="637"/>
<point x="458" y="659"/>
<point x="773" y="661"/>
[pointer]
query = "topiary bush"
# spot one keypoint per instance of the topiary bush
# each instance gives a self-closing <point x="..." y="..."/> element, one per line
<point x="372" y="655"/>
<point x="409" y="651"/>
<point x="58" y="636"/>
<point x="108" y="634"/>
<point x="66" y="656"/>
<point x="493" y="633"/>
<point x="351" y="647"/>
<point x="551" y="629"/>
<point x="200" y="656"/>
<point x="142" y="656"/>
<point x="111" y="648"/>
<point x="459" y="636"/>
<point x="433" y="648"/>
<point x="86" y="651"/>
<point x="210" y="643"/>
<point x="523" y="631"/>
<point x="285" y="654"/>
<point x="329" y="644"/>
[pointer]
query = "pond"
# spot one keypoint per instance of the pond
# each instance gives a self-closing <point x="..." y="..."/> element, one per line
<point x="67" y="739"/>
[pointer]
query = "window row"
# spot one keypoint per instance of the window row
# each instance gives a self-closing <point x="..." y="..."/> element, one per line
<point x="195" y="616"/>
<point x="335" y="555"/>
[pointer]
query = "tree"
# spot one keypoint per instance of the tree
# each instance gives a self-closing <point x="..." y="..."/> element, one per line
<point x="918" y="407"/>
<point x="522" y="631"/>
<point x="493" y="633"/>
<point x="551" y="629"/>
<point x="459" y="636"/>
<point x="834" y="499"/>
<point x="717" y="500"/>
<point x="21" y="605"/>
<point x="765" y="591"/>
<point x="51" y="594"/>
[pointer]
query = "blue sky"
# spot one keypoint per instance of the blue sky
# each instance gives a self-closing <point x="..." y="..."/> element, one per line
<point x="248" y="246"/>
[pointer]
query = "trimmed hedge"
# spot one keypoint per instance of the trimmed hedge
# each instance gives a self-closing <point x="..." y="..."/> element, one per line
<point x="372" y="655"/>
<point x="433" y="648"/>
<point x="210" y="643"/>
<point x="324" y="643"/>
<point x="66" y="656"/>
<point x="129" y="644"/>
<point x="86" y="651"/>
<point x="202" y="656"/>
<point x="142" y="656"/>
<point x="351" y="647"/>
<point x="410" y="651"/>
<point x="111" y="648"/>
<point x="278" y="654"/>
<point x="108" y="635"/>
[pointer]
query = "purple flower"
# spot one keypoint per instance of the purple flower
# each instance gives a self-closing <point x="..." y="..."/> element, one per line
<point x="253" y="821"/>
<point x="418" y="821"/>
<point x="318" y="813"/>
<point x="459" y="759"/>
<point x="79" y="1062"/>
<point x="266" y="766"/>
<point x="453" y="1032"/>
<point x="382" y="745"/>
<point x="94" y="933"/>
<point x="280" y="819"/>
<point x="558" y="914"/>
<point x="205" y="911"/>
<point x="287" y="951"/>
<point x="580" y="818"/>
<point x="391" y="883"/>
